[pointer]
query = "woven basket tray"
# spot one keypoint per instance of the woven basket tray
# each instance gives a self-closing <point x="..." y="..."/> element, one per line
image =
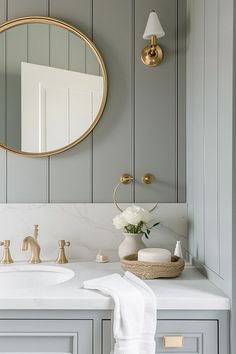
<point x="153" y="270"/>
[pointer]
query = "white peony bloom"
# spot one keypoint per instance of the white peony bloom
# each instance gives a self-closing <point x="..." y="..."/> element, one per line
<point x="134" y="214"/>
<point x="146" y="217"/>
<point x="119" y="221"/>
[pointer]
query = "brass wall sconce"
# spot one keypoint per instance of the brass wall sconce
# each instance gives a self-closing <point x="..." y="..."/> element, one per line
<point x="152" y="54"/>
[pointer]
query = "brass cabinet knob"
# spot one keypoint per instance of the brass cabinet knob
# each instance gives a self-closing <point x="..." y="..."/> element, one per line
<point x="173" y="341"/>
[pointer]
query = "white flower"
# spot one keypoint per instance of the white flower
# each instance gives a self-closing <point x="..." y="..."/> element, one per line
<point x="146" y="217"/>
<point x="119" y="221"/>
<point x="134" y="214"/>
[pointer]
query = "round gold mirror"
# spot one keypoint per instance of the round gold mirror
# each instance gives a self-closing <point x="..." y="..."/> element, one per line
<point x="53" y="86"/>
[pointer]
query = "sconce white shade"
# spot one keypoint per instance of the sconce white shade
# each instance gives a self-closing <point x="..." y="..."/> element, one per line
<point x="153" y="27"/>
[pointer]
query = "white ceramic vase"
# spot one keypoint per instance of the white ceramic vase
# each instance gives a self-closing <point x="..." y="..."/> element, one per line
<point x="132" y="243"/>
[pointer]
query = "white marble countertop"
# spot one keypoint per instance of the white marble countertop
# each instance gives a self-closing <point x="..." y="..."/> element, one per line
<point x="191" y="291"/>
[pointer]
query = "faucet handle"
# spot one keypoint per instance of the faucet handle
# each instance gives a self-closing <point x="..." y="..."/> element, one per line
<point x="5" y="243"/>
<point x="36" y="231"/>
<point x="61" y="259"/>
<point x="6" y="258"/>
<point x="63" y="243"/>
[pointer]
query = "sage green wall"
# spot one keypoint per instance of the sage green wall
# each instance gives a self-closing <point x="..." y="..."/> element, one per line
<point x="143" y="126"/>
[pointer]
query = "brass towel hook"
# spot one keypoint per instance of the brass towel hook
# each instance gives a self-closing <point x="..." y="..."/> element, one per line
<point x="127" y="179"/>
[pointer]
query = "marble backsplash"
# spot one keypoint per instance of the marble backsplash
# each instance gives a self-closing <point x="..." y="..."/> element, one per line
<point x="87" y="226"/>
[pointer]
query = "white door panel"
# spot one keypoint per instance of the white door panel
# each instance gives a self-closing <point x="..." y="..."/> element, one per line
<point x="58" y="106"/>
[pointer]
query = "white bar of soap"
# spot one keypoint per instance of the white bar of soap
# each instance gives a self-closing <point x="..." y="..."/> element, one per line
<point x="154" y="255"/>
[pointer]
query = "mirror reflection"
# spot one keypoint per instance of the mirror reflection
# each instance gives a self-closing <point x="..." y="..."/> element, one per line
<point x="51" y="88"/>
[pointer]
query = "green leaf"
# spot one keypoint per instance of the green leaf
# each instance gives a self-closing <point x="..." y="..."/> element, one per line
<point x="157" y="223"/>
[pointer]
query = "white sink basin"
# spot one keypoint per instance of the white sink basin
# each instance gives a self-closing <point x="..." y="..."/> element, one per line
<point x="18" y="277"/>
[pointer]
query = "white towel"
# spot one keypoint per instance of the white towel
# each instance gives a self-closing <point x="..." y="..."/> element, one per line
<point x="134" y="324"/>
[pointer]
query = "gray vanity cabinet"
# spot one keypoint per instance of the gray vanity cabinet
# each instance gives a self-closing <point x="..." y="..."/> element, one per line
<point x="178" y="336"/>
<point x="90" y="332"/>
<point x="46" y="336"/>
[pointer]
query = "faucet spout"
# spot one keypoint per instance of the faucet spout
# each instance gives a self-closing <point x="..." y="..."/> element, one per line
<point x="35" y="248"/>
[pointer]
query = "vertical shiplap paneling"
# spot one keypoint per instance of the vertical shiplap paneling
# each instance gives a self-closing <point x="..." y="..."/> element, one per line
<point x="155" y="107"/>
<point x="2" y="176"/>
<point x="92" y="65"/>
<point x="76" y="12"/>
<point x="3" y="12"/>
<point x="76" y="54"/>
<point x="27" y="178"/>
<point x="112" y="142"/>
<point x="59" y="47"/>
<point x="211" y="136"/>
<point x="20" y="8"/>
<point x="198" y="126"/>
<point x="113" y="137"/>
<point x="209" y="122"/>
<point x="38" y="44"/>
<point x="2" y="103"/>
<point x="71" y="172"/>
<point x="228" y="252"/>
<point x="2" y="73"/>
<point x="225" y="136"/>
<point x="181" y="101"/>
<point x="13" y="82"/>
<point x="189" y="124"/>
<point x="2" y="88"/>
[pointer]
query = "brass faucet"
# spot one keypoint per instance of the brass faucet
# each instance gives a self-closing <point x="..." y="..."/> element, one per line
<point x="6" y="258"/>
<point x="35" y="248"/>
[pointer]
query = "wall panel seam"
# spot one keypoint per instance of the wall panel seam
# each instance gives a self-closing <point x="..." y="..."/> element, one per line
<point x="218" y="142"/>
<point x="132" y="64"/>
<point x="6" y="10"/>
<point x="204" y="136"/>
<point x="48" y="185"/>
<point x="6" y="153"/>
<point x="92" y="137"/>
<point x="5" y="177"/>
<point x="48" y="191"/>
<point x="177" y="103"/>
<point x="5" y="86"/>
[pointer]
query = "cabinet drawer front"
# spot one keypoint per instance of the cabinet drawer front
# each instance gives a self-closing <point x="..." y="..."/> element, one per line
<point x="180" y="336"/>
<point x="191" y="336"/>
<point x="106" y="337"/>
<point x="46" y="336"/>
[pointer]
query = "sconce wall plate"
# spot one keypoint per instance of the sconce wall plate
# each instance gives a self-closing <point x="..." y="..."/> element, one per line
<point x="152" y="56"/>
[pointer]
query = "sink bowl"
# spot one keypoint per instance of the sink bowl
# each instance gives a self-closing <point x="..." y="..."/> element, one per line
<point x="31" y="276"/>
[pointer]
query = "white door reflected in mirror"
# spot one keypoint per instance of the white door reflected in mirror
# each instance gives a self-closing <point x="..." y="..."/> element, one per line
<point x="57" y="106"/>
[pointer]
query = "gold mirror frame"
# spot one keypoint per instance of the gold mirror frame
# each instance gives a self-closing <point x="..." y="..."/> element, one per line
<point x="53" y="21"/>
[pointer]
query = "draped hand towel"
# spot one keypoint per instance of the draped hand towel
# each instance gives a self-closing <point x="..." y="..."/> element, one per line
<point x="134" y="324"/>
